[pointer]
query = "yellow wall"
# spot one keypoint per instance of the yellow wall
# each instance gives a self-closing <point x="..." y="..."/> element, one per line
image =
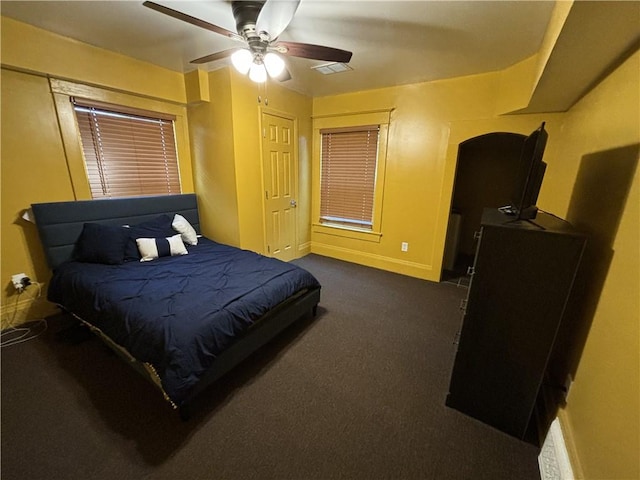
<point x="33" y="170"/>
<point x="41" y="160"/>
<point x="428" y="123"/>
<point x="37" y="50"/>
<point x="211" y="128"/>
<point x="600" y="148"/>
<point x="247" y="112"/>
<point x="228" y="158"/>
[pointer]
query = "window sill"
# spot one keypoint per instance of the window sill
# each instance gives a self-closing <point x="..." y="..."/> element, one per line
<point x="348" y="232"/>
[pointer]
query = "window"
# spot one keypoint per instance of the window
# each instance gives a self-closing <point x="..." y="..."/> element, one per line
<point x="127" y="152"/>
<point x="348" y="165"/>
<point x="349" y="162"/>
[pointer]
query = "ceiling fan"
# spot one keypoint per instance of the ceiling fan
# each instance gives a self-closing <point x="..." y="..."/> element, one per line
<point x="259" y="24"/>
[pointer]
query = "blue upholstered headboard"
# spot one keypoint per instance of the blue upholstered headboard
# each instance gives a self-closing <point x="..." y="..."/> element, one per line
<point x="60" y="223"/>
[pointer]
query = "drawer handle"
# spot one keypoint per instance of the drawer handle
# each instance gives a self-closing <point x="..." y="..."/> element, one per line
<point x="470" y="270"/>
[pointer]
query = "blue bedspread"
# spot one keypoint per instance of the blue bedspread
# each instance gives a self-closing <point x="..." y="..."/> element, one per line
<point x="178" y="313"/>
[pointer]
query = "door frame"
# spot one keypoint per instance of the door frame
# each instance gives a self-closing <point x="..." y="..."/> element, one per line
<point x="296" y="184"/>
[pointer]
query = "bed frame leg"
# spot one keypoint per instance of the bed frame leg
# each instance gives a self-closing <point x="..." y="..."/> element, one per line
<point x="314" y="311"/>
<point x="185" y="412"/>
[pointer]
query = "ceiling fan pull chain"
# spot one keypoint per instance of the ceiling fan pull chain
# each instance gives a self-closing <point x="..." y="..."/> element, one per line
<point x="266" y="96"/>
<point x="262" y="93"/>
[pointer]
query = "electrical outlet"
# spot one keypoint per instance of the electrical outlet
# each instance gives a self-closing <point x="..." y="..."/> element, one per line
<point x="404" y="247"/>
<point x="20" y="281"/>
<point x="567" y="386"/>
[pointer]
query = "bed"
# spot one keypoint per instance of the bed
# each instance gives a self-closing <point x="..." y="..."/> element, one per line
<point x="180" y="308"/>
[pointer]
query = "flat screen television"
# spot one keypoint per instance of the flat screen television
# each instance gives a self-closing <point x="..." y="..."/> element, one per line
<point x="528" y="178"/>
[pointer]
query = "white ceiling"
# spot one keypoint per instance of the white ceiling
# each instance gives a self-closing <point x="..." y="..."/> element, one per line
<point x="393" y="42"/>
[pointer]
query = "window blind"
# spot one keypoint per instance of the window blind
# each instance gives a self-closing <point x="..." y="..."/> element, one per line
<point x="348" y="175"/>
<point x="127" y="152"/>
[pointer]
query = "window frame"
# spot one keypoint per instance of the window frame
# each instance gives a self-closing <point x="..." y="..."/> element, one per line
<point x="63" y="90"/>
<point x="346" y="121"/>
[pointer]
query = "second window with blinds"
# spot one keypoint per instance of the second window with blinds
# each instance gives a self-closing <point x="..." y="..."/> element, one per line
<point x="127" y="152"/>
<point x="348" y="166"/>
<point x="349" y="155"/>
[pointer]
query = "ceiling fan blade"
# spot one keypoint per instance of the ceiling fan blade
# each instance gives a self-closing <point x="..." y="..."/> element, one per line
<point x="192" y="20"/>
<point x="275" y="16"/>
<point x="315" y="52"/>
<point x="215" y="56"/>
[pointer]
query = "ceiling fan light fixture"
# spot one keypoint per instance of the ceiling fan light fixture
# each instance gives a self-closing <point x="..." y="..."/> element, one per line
<point x="242" y="60"/>
<point x="258" y="25"/>
<point x="274" y="64"/>
<point x="258" y="73"/>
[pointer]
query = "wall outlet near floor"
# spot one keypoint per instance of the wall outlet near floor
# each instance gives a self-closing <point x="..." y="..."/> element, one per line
<point x="404" y="247"/>
<point x="20" y="281"/>
<point x="567" y="386"/>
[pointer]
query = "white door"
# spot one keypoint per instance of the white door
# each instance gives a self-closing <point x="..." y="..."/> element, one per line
<point x="280" y="184"/>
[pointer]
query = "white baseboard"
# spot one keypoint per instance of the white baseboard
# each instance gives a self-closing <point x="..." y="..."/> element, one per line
<point x="554" y="459"/>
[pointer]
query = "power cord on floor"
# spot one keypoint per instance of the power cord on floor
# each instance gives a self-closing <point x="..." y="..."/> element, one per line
<point x="13" y="335"/>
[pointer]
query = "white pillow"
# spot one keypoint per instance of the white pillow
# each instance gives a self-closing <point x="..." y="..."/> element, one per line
<point x="182" y="225"/>
<point x="152" y="248"/>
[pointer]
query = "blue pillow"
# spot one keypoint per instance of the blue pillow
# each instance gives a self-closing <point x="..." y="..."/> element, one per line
<point x="101" y="244"/>
<point x="156" y="228"/>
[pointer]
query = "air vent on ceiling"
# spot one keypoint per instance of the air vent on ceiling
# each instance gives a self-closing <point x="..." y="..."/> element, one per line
<point x="331" y="68"/>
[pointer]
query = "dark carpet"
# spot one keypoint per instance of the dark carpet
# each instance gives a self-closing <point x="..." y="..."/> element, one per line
<point x="357" y="392"/>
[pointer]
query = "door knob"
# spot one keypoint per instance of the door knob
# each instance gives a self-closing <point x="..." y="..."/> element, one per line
<point x="293" y="204"/>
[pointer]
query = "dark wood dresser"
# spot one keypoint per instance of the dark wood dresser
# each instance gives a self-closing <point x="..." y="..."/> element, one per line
<point x="520" y="282"/>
